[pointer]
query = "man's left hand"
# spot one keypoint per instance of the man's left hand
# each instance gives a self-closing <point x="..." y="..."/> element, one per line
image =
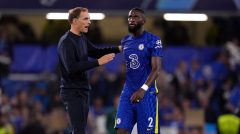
<point x="138" y="96"/>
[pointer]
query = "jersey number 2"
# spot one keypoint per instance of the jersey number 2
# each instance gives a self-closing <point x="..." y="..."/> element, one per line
<point x="134" y="64"/>
<point x="151" y="120"/>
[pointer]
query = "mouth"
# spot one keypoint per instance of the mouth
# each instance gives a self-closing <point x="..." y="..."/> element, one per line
<point x="132" y="25"/>
<point x="86" y="27"/>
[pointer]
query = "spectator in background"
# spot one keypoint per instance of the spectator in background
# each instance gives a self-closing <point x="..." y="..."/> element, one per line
<point x="101" y="83"/>
<point x="186" y="103"/>
<point x="111" y="115"/>
<point x="181" y="73"/>
<point x="220" y="72"/>
<point x="41" y="94"/>
<point x="99" y="114"/>
<point x="224" y="93"/>
<point x="233" y="50"/>
<point x="210" y="113"/>
<point x="162" y="82"/>
<point x="33" y="126"/>
<point x="21" y="99"/>
<point x="55" y="102"/>
<point x="38" y="107"/>
<point x="120" y="80"/>
<point x="195" y="69"/>
<point x="5" y="104"/>
<point x="228" y="123"/>
<point x="181" y="81"/>
<point x="5" y="126"/>
<point x="165" y="111"/>
<point x="15" y="118"/>
<point x="196" y="130"/>
<point x="178" y="119"/>
<point x="234" y="101"/>
<point x="98" y="107"/>
<point x="5" y="54"/>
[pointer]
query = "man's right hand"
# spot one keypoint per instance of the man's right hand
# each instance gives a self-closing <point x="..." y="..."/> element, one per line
<point x="106" y="58"/>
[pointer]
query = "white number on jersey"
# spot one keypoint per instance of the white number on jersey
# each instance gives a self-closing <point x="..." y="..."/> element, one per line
<point x="151" y="120"/>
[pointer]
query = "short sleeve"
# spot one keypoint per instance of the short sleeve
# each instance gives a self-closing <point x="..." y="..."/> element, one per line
<point x="156" y="45"/>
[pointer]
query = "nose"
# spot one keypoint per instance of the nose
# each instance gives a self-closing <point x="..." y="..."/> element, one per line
<point x="130" y="19"/>
<point x="89" y="22"/>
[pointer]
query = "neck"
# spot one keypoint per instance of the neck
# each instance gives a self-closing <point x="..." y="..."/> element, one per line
<point x="138" y="33"/>
<point x="73" y="30"/>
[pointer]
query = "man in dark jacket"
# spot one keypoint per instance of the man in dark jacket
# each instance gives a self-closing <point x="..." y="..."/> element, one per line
<point x="73" y="52"/>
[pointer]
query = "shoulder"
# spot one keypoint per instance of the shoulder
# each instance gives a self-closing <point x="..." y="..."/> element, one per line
<point x="153" y="39"/>
<point x="152" y="36"/>
<point x="65" y="43"/>
<point x="126" y="38"/>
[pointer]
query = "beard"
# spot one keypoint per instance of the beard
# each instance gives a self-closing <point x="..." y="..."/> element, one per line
<point x="134" y="29"/>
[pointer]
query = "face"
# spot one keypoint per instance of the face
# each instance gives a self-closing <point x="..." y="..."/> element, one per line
<point x="82" y="23"/>
<point x="135" y="21"/>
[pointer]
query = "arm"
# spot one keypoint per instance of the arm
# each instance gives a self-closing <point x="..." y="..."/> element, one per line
<point x="95" y="52"/>
<point x="156" y="66"/>
<point x="66" y="54"/>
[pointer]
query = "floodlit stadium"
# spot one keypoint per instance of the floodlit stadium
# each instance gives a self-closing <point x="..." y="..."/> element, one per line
<point x="198" y="85"/>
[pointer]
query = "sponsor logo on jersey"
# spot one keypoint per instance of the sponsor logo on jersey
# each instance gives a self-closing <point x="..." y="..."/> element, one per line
<point x="125" y="47"/>
<point x="158" y="47"/>
<point x="158" y="42"/>
<point x="141" y="47"/>
<point x="118" y="120"/>
<point x="134" y="64"/>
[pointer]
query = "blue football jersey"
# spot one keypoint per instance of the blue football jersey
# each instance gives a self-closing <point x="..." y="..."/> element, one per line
<point x="138" y="53"/>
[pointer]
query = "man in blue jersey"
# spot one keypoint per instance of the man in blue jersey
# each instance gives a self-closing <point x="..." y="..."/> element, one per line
<point x="139" y="103"/>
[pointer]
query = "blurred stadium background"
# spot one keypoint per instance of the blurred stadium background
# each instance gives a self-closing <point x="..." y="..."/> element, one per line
<point x="199" y="80"/>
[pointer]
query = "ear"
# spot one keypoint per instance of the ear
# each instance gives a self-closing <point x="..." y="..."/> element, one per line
<point x="144" y="21"/>
<point x="74" y="21"/>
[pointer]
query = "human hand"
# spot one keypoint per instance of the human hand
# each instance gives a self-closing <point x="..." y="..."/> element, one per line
<point x="120" y="48"/>
<point x="138" y="96"/>
<point x="106" y="58"/>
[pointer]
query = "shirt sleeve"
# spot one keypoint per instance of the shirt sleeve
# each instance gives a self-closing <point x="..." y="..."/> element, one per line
<point x="95" y="52"/>
<point x="66" y="54"/>
<point x="156" y="47"/>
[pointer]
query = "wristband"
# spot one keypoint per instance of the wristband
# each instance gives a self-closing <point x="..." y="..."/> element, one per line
<point x="145" y="87"/>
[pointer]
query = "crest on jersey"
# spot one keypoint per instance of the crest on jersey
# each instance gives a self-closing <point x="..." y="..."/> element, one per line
<point x="118" y="120"/>
<point x="141" y="47"/>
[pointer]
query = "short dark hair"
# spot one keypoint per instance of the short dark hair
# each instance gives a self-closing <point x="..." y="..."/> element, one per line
<point x="75" y="13"/>
<point x="139" y="9"/>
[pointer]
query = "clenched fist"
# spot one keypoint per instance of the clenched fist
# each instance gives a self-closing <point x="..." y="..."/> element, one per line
<point x="106" y="58"/>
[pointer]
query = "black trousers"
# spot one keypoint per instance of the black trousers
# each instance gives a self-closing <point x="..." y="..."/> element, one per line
<point x="77" y="105"/>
